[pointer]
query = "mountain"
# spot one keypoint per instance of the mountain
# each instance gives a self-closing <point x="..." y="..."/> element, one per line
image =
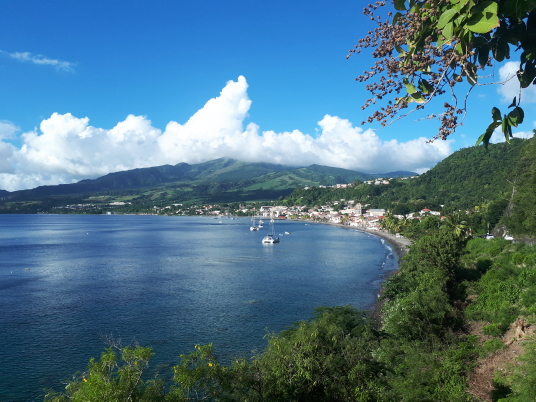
<point x="222" y="179"/>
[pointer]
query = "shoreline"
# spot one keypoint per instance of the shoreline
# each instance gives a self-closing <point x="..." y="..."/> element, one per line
<point x="401" y="247"/>
<point x="401" y="244"/>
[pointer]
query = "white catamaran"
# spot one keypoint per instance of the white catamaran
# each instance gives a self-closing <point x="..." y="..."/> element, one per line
<point x="270" y="238"/>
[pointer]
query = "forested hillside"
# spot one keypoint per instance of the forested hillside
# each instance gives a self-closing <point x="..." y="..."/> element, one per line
<point x="521" y="216"/>
<point x="469" y="177"/>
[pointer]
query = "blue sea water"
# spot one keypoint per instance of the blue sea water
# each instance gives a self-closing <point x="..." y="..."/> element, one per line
<point x="68" y="281"/>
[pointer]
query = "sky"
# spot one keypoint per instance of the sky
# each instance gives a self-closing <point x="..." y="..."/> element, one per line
<point x="93" y="87"/>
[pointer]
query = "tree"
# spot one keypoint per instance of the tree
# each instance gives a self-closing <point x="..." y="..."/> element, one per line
<point x="429" y="47"/>
<point x="117" y="376"/>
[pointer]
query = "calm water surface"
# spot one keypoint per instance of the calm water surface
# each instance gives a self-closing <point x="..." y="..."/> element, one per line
<point x="66" y="281"/>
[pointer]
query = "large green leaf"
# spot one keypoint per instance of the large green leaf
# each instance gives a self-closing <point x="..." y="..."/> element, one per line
<point x="446" y="17"/>
<point x="515" y="117"/>
<point x="486" y="7"/>
<point x="483" y="22"/>
<point x="448" y="30"/>
<point x="487" y="134"/>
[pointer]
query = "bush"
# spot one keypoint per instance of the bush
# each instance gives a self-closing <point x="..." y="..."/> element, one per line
<point x="518" y="258"/>
<point x="491" y="346"/>
<point x="493" y="330"/>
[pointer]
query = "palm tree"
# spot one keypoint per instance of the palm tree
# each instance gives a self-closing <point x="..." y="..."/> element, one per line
<point x="459" y="227"/>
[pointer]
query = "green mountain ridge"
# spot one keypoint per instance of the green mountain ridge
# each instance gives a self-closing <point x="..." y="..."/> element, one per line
<point x="213" y="177"/>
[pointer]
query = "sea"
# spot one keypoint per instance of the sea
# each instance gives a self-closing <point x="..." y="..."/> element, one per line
<point x="70" y="282"/>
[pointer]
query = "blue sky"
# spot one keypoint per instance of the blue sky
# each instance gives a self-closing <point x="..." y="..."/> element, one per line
<point x="92" y="87"/>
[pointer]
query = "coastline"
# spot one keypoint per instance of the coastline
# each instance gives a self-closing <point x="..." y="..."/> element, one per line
<point x="401" y="247"/>
<point x="401" y="244"/>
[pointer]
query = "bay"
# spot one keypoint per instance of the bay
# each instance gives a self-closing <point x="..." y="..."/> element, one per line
<point x="69" y="281"/>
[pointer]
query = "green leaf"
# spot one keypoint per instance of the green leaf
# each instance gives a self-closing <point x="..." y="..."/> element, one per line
<point x="459" y="49"/>
<point x="513" y="102"/>
<point x="486" y="7"/>
<point x="483" y="22"/>
<point x="396" y="17"/>
<point x="425" y="86"/>
<point x="483" y="54"/>
<point x="409" y="86"/>
<point x="459" y="5"/>
<point x="448" y="31"/>
<point x="400" y="5"/>
<point x="528" y="75"/>
<point x="418" y="97"/>
<point x="496" y="114"/>
<point x="446" y="17"/>
<point x="502" y="50"/>
<point x="526" y="56"/>
<point x="471" y="78"/>
<point x="487" y="134"/>
<point x="504" y="124"/>
<point x="470" y="71"/>
<point x="515" y="117"/>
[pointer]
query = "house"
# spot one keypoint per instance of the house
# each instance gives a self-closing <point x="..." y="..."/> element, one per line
<point x="376" y="212"/>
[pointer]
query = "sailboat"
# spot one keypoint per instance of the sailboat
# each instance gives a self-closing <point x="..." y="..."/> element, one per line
<point x="253" y="226"/>
<point x="270" y="238"/>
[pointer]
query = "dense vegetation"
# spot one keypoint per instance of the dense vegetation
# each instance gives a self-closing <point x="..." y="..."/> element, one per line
<point x="465" y="179"/>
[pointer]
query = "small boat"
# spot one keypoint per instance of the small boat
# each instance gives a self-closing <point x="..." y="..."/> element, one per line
<point x="287" y="232"/>
<point x="253" y="226"/>
<point x="270" y="238"/>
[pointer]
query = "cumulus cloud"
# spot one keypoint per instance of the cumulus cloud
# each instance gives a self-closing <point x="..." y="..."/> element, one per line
<point x="510" y="86"/>
<point x="27" y="57"/>
<point x="8" y="130"/>
<point x="67" y="149"/>
<point x="498" y="135"/>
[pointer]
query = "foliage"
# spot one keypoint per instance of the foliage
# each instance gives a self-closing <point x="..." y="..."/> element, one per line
<point x="523" y="381"/>
<point x="429" y="47"/>
<point x="113" y="378"/>
<point x="469" y="179"/>
<point x="521" y="220"/>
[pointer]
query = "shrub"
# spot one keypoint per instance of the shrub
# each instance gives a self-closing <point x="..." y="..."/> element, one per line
<point x="491" y="346"/>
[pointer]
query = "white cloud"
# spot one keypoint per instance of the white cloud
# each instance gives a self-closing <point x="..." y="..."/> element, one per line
<point x="7" y="130"/>
<point x="498" y="135"/>
<point x="510" y="88"/>
<point x="66" y="148"/>
<point x="27" y="57"/>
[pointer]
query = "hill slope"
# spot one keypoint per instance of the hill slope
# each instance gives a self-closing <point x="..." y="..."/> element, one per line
<point x="222" y="179"/>
<point x="467" y="178"/>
